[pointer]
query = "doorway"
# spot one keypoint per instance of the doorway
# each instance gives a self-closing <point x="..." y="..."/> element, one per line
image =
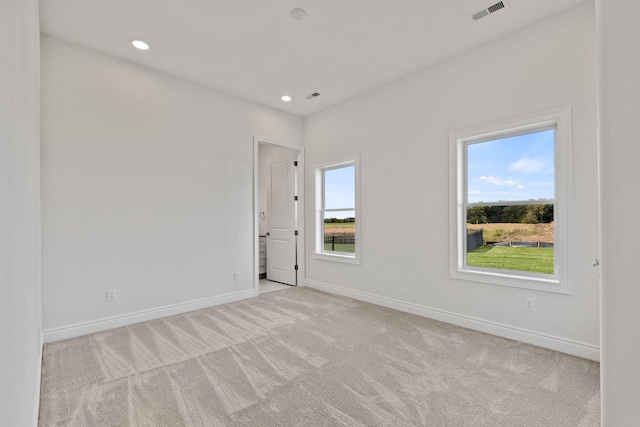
<point x="278" y="214"/>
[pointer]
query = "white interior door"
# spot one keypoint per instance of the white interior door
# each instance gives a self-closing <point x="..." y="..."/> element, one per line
<point x="281" y="238"/>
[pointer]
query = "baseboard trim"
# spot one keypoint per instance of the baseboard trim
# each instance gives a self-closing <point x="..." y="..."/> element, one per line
<point x="563" y="345"/>
<point x="84" y="328"/>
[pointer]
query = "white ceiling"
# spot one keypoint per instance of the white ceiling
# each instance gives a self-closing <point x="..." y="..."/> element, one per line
<point x="255" y="50"/>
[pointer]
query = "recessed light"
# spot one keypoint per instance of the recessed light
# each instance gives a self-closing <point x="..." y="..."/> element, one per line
<point x="139" y="44"/>
<point x="298" y="13"/>
<point x="286" y="98"/>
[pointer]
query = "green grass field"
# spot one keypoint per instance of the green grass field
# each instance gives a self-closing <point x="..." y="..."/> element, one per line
<point x="536" y="260"/>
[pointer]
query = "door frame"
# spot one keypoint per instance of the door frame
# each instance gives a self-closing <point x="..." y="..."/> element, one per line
<point x="257" y="141"/>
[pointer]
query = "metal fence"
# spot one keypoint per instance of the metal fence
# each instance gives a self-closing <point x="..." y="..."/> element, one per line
<point x="340" y="242"/>
<point x="474" y="240"/>
<point x="523" y="244"/>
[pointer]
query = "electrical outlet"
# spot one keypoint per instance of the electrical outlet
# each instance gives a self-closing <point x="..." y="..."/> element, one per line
<point x="529" y="304"/>
<point x="236" y="276"/>
<point x="111" y="294"/>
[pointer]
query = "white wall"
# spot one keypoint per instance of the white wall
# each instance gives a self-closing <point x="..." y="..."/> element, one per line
<point x="19" y="213"/>
<point x="401" y="131"/>
<point x="619" y="96"/>
<point x="147" y="188"/>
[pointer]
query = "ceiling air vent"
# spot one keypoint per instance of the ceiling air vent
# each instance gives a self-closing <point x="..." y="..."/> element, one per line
<point x="489" y="10"/>
<point x="481" y="14"/>
<point x="313" y="95"/>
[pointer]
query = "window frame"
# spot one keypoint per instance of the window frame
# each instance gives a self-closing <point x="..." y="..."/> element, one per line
<point x="319" y="169"/>
<point x="560" y="282"/>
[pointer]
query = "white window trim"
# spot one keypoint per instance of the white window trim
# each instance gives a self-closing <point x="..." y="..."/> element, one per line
<point x="318" y="252"/>
<point x="561" y="282"/>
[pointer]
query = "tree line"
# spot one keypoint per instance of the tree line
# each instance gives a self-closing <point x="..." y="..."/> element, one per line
<point x="338" y="220"/>
<point x="527" y="214"/>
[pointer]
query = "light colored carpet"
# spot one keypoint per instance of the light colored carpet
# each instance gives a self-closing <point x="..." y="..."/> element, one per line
<point x="269" y="286"/>
<point x="300" y="357"/>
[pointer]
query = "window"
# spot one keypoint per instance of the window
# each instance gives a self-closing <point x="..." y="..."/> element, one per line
<point x="337" y="210"/>
<point x="509" y="202"/>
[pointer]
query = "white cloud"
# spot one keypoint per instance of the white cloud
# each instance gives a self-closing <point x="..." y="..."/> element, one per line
<point x="496" y="180"/>
<point x="528" y="165"/>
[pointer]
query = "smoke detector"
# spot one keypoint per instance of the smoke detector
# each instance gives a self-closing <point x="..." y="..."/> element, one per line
<point x="489" y="10"/>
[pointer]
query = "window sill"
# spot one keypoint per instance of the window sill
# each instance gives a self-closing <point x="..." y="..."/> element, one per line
<point x="348" y="259"/>
<point x="544" y="283"/>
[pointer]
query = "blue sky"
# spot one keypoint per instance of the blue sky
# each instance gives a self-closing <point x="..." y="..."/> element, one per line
<point x="339" y="187"/>
<point x="515" y="168"/>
